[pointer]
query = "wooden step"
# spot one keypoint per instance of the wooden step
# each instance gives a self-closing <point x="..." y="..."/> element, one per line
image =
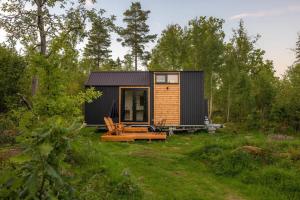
<point x="129" y="137"/>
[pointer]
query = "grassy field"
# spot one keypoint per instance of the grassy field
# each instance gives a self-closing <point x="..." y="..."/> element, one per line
<point x="190" y="166"/>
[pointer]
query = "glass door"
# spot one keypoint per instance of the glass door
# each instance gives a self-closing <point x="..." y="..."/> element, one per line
<point x="134" y="105"/>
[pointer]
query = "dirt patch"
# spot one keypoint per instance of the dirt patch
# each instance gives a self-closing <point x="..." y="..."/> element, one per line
<point x="280" y="137"/>
<point x="233" y="197"/>
<point x="9" y="153"/>
<point x="250" y="149"/>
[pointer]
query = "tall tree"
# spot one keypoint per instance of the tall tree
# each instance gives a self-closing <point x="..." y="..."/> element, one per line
<point x="206" y="42"/>
<point x="170" y="51"/>
<point x="298" y="49"/>
<point x="128" y="63"/>
<point x="247" y="80"/>
<point x="97" y="48"/>
<point x="135" y="35"/>
<point x="33" y="24"/>
<point x="286" y="110"/>
<point x="111" y="65"/>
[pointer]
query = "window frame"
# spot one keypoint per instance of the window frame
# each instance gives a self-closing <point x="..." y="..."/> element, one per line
<point x="166" y="78"/>
<point x="165" y="75"/>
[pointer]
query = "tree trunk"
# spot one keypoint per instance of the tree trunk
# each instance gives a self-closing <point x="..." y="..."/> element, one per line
<point x="135" y="61"/>
<point x="41" y="27"/>
<point x="228" y="103"/>
<point x="34" y="85"/>
<point x="43" y="45"/>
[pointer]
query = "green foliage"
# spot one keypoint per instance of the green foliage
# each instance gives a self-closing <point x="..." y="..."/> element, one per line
<point x="40" y="177"/>
<point x="209" y="153"/>
<point x="135" y="35"/>
<point x="298" y="49"/>
<point x="234" y="163"/>
<point x="266" y="169"/>
<point x="97" y="48"/>
<point x="286" y="110"/>
<point x="12" y="67"/>
<point x="94" y="177"/>
<point x="170" y="51"/>
<point x="248" y="82"/>
<point x="24" y="26"/>
<point x="54" y="96"/>
<point x="281" y="181"/>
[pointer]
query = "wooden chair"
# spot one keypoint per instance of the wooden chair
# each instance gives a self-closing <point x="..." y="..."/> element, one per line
<point x="128" y="129"/>
<point x="116" y="132"/>
<point x="158" y="126"/>
<point x="112" y="129"/>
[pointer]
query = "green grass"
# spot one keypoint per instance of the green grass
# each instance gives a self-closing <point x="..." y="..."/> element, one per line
<point x="187" y="166"/>
<point x="172" y="170"/>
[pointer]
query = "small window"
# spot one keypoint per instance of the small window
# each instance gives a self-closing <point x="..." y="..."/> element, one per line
<point x="172" y="78"/>
<point x="162" y="78"/>
<point x="167" y="78"/>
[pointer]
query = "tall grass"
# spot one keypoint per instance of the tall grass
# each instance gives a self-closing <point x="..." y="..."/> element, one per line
<point x="267" y="169"/>
<point x="93" y="173"/>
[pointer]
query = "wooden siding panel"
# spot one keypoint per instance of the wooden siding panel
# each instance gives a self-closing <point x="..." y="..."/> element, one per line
<point x="167" y="103"/>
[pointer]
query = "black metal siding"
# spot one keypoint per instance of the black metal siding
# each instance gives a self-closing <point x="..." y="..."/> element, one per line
<point x="151" y="98"/>
<point x="192" y="110"/>
<point x="95" y="111"/>
<point x="140" y="78"/>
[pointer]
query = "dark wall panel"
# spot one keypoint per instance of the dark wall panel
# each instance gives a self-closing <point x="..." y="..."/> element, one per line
<point x="192" y="110"/>
<point x="95" y="111"/>
<point x="151" y="97"/>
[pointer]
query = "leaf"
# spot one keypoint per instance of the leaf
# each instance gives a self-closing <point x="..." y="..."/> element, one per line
<point x="53" y="173"/>
<point x="45" y="149"/>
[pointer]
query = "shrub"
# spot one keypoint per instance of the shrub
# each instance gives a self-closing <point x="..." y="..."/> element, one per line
<point x="284" y="181"/>
<point x="40" y="176"/>
<point x="126" y="188"/>
<point x="234" y="163"/>
<point x="208" y="153"/>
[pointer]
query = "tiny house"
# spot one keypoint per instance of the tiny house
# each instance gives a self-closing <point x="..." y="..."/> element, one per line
<point x="147" y="98"/>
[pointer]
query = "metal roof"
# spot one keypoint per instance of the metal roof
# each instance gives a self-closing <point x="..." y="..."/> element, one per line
<point x="136" y="78"/>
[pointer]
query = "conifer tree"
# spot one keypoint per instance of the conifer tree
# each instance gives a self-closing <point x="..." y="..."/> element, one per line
<point x="97" y="49"/>
<point x="298" y="49"/>
<point x="135" y="35"/>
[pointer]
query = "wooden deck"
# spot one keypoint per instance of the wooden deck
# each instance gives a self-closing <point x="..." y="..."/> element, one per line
<point x="130" y="137"/>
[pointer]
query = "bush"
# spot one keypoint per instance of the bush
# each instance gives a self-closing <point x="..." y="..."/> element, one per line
<point x="283" y="181"/>
<point x="234" y="163"/>
<point x="7" y="131"/>
<point x="227" y="162"/>
<point x="209" y="153"/>
<point x="126" y="189"/>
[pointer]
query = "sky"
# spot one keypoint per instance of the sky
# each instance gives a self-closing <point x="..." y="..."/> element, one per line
<point x="277" y="21"/>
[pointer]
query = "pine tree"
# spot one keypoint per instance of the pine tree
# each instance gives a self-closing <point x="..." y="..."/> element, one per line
<point x="135" y="35"/>
<point x="97" y="49"/>
<point x="298" y="49"/>
<point x="128" y="63"/>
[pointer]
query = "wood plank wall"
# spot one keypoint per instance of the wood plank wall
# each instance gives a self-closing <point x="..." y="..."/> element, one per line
<point x="167" y="103"/>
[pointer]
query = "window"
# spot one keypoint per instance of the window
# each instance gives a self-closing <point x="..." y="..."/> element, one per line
<point x="161" y="78"/>
<point x="167" y="78"/>
<point x="172" y="78"/>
